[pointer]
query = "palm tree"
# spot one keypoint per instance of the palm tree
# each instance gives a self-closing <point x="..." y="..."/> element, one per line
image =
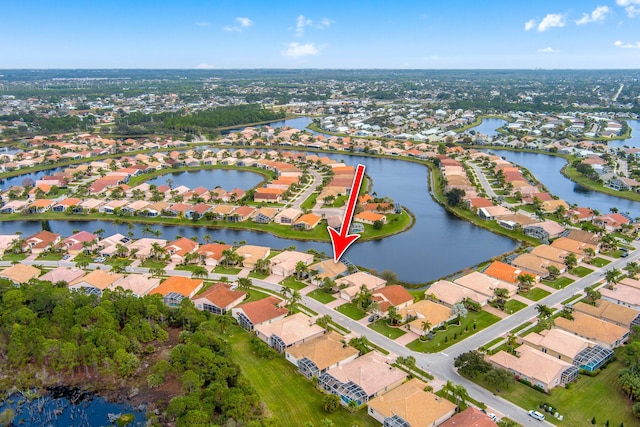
<point x="632" y="269"/>
<point x="449" y="388"/>
<point x="262" y="265"/>
<point x="590" y="253"/>
<point x="294" y="298"/>
<point x="426" y="327"/>
<point x="199" y="271"/>
<point x="301" y="268"/>
<point x="526" y="281"/>
<point x="363" y="298"/>
<point x="571" y="261"/>
<point x="157" y="251"/>
<point x="501" y="295"/>
<point x="612" y="276"/>
<point x="592" y="295"/>
<point x="460" y="394"/>
<point x="553" y="271"/>
<point x="244" y="284"/>
<point x="207" y="238"/>
<point x="157" y="272"/>
<point x="99" y="232"/>
<point x="544" y="312"/>
<point x="392" y="315"/>
<point x="223" y="322"/>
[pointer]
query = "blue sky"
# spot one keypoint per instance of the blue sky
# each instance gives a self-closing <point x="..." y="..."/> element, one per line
<point x="429" y="34"/>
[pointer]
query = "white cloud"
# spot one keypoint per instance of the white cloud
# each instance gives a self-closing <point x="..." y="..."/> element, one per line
<point x="630" y="6"/>
<point x="622" y="45"/>
<point x="552" y="20"/>
<point x="548" y="50"/>
<point x="598" y="15"/>
<point x="302" y="22"/>
<point x="296" y="49"/>
<point x="205" y="66"/>
<point x="244" y="23"/>
<point x="530" y="24"/>
<point x="202" y="24"/>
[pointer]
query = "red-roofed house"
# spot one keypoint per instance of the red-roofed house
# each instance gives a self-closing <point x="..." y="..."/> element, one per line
<point x="218" y="299"/>
<point x="255" y="313"/>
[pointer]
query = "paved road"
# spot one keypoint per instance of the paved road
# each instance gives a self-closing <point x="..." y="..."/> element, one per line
<point x="484" y="182"/>
<point x="310" y="187"/>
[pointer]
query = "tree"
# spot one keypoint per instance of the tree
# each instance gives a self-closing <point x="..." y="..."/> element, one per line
<point x="244" y="284"/>
<point x="262" y="265"/>
<point x="571" y="261"/>
<point x="501" y="295"/>
<point x="499" y="378"/>
<point x="632" y="269"/>
<point x="589" y="253"/>
<point x="612" y="277"/>
<point x="157" y="272"/>
<point x="592" y="295"/>
<point x="460" y="393"/>
<point x="377" y="224"/>
<point x="459" y="310"/>
<point x="363" y="298"/>
<point x="389" y="276"/>
<point x="426" y="327"/>
<point x="330" y="403"/>
<point x="199" y="271"/>
<point x="301" y="269"/>
<point x="454" y="196"/>
<point x="393" y="317"/>
<point x="525" y="280"/>
<point x="554" y="271"/>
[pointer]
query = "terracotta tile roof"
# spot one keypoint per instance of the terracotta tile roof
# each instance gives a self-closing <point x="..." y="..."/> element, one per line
<point x="324" y="351"/>
<point x="470" y="417"/>
<point x="185" y="286"/>
<point x="534" y="364"/>
<point x="42" y="239"/>
<point x="395" y="294"/>
<point x="609" y="311"/>
<point x="213" y="250"/>
<point x="263" y="310"/>
<point x="371" y="372"/>
<point x="221" y="295"/>
<point x="592" y="328"/>
<point x="291" y="329"/>
<point x="63" y="274"/>
<point x="503" y="271"/>
<point x="99" y="279"/>
<point x="20" y="273"/>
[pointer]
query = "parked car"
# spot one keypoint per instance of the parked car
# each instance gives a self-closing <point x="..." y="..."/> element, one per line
<point x="374" y="317"/>
<point x="66" y="257"/>
<point x="493" y="416"/>
<point x="537" y="415"/>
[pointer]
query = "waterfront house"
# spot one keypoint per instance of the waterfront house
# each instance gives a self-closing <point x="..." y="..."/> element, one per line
<point x="370" y="218"/>
<point x="307" y="222"/>
<point x="113" y="206"/>
<point x="264" y="215"/>
<point x="79" y="241"/>
<point x="41" y="241"/>
<point x="288" y="216"/>
<point x="39" y="206"/>
<point x="284" y="264"/>
<point x="250" y="254"/>
<point x="450" y="294"/>
<point x="328" y="268"/>
<point x="155" y="209"/>
<point x="240" y="214"/>
<point x="142" y="248"/>
<point x="211" y="253"/>
<point x="350" y="285"/>
<point x="544" y="231"/>
<point x="177" y="249"/>
<point x="14" y="206"/>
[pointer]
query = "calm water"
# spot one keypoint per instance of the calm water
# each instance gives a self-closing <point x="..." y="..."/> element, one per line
<point x="297" y="123"/>
<point x="58" y="411"/>
<point x="547" y="170"/>
<point x="18" y="180"/>
<point x="634" y="141"/>
<point x="437" y="245"/>
<point x="488" y="126"/>
<point x="211" y="178"/>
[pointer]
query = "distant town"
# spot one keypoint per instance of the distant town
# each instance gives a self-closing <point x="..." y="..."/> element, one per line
<point x="99" y="172"/>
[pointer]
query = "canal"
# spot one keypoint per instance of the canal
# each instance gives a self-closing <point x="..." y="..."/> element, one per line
<point x="210" y="178"/>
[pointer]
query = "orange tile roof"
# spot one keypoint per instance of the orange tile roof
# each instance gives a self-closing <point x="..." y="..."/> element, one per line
<point x="263" y="310"/>
<point x="221" y="294"/>
<point x="182" y="285"/>
<point x="503" y="271"/>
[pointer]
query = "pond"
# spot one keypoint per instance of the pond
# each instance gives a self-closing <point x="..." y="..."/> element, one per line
<point x="210" y="178"/>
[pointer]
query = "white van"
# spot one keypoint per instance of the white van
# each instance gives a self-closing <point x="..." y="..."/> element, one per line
<point x="537" y="415"/>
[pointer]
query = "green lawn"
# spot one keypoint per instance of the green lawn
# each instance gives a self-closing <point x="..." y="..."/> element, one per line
<point x="482" y="319"/>
<point x="615" y="254"/>
<point x="289" y="397"/>
<point x="321" y="296"/>
<point x="255" y="295"/>
<point x="536" y="294"/>
<point x="350" y="310"/>
<point x="258" y="275"/>
<point x="150" y="263"/>
<point x="113" y="261"/>
<point x="493" y="342"/>
<point x="84" y="258"/>
<point x="293" y="283"/>
<point x="559" y="282"/>
<point x="220" y="269"/>
<point x="310" y="202"/>
<point x="513" y="305"/>
<point x="597" y="396"/>
<point x="599" y="262"/>
<point x="521" y="327"/>
<point x="580" y="271"/>
<point x="14" y="257"/>
<point x="382" y="328"/>
<point x="51" y="256"/>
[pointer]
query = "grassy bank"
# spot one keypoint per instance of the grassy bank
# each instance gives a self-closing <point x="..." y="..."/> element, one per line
<point x="572" y="173"/>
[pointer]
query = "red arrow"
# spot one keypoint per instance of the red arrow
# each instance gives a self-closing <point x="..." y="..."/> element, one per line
<point x="341" y="241"/>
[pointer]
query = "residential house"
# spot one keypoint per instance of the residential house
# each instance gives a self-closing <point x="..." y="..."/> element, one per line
<point x="622" y="294"/>
<point x="552" y="254"/>
<point x="143" y="248"/>
<point x="370" y="218"/>
<point x="505" y="272"/>
<point x="573" y="349"/>
<point x="42" y="241"/>
<point x="265" y="215"/>
<point x="611" y="312"/>
<point x="392" y="295"/>
<point x="65" y="204"/>
<point x="255" y="313"/>
<point x="40" y="206"/>
<point x="177" y="249"/>
<point x="283" y="333"/>
<point x="450" y="294"/>
<point x="315" y="357"/>
<point x="485" y="285"/>
<point x="493" y="212"/>
<point x="362" y="379"/>
<point x="96" y="281"/>
<point x="288" y="216"/>
<point x="14" y="206"/>
<point x="410" y="405"/>
<point x="79" y="242"/>
<point x="197" y="211"/>
<point x="350" y="285"/>
<point x="113" y="206"/>
<point x="307" y="222"/>
<point x="268" y="195"/>
<point x="535" y="265"/>
<point x="240" y="214"/>
<point x="138" y="284"/>
<point x="155" y="209"/>
<point x="109" y="245"/>
<point x="471" y="416"/>
<point x="212" y="253"/>
<point x="135" y="207"/>
<point x="544" y="231"/>
<point x="328" y="268"/>
<point x="20" y="274"/>
<point x="611" y="222"/>
<point x="425" y="311"/>
<point x="250" y="254"/>
<point x="284" y="264"/>
<point x="538" y="368"/>
<point x="600" y="331"/>
<point x="63" y="274"/>
<point x="177" y="288"/>
<point x="218" y="299"/>
<point x="570" y="245"/>
<point x="584" y="237"/>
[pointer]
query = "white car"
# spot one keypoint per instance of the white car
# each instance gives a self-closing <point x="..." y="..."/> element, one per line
<point x="493" y="416"/>
<point x="537" y="415"/>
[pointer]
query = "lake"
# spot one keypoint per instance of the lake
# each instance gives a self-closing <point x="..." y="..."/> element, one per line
<point x="211" y="178"/>
<point x="56" y="409"/>
<point x="547" y="170"/>
<point x="488" y="127"/>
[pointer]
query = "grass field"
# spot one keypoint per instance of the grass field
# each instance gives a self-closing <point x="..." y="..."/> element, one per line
<point x="293" y="283"/>
<point x="597" y="396"/>
<point x="14" y="257"/>
<point x="481" y="319"/>
<point x="289" y="397"/>
<point x="382" y="328"/>
<point x="220" y="269"/>
<point x="321" y="296"/>
<point x="536" y="294"/>
<point x="350" y="310"/>
<point x="150" y="263"/>
<point x="599" y="262"/>
<point x="558" y="283"/>
<point x="580" y="271"/>
<point x="513" y="305"/>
